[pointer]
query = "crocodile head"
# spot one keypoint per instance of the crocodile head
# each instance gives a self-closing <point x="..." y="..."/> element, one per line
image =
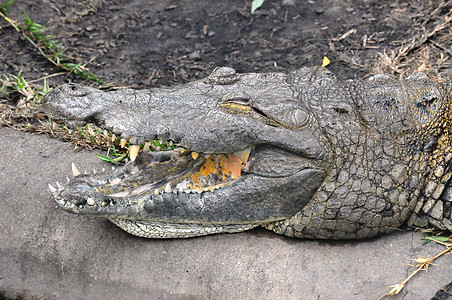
<point x="251" y="149"/>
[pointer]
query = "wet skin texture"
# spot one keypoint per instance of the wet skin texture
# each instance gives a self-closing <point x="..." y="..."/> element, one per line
<point x="323" y="158"/>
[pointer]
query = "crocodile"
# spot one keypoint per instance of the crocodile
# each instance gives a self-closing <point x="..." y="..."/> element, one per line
<point x="302" y="153"/>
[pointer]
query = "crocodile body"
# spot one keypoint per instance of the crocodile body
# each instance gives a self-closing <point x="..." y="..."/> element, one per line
<point x="303" y="154"/>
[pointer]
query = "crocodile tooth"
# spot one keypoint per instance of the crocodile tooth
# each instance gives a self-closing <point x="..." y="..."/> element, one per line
<point x="156" y="192"/>
<point x="115" y="181"/>
<point x="243" y="155"/>
<point x="134" y="152"/>
<point x="52" y="189"/>
<point x="187" y="191"/>
<point x="180" y="150"/>
<point x="194" y="155"/>
<point x="123" y="143"/>
<point x="68" y="180"/>
<point x="168" y="188"/>
<point x="75" y="171"/>
<point x="90" y="201"/>
<point x="60" y="187"/>
<point x="147" y="147"/>
<point x="86" y="173"/>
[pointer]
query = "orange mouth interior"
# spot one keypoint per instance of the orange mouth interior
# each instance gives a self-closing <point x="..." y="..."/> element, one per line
<point x="217" y="170"/>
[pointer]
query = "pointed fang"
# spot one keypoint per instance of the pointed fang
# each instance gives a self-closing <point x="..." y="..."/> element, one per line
<point x="52" y="189"/>
<point x="243" y="155"/>
<point x="168" y="188"/>
<point x="75" y="171"/>
<point x="147" y="147"/>
<point x="90" y="201"/>
<point x="134" y="152"/>
<point x="60" y="187"/>
<point x="123" y="143"/>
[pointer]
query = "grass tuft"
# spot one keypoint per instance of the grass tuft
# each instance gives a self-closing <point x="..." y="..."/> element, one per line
<point x="11" y="85"/>
<point x="4" y="6"/>
<point x="49" y="47"/>
<point x="118" y="156"/>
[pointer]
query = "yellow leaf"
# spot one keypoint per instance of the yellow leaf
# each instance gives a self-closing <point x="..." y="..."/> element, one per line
<point x="325" y="62"/>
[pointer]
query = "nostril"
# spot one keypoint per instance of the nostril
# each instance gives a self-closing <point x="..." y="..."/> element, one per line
<point x="75" y="90"/>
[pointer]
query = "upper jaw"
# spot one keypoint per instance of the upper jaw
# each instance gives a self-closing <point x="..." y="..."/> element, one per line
<point x="199" y="116"/>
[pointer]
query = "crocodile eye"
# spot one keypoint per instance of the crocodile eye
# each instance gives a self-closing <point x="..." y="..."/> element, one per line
<point x="236" y="96"/>
<point x="237" y="106"/>
<point x="426" y="106"/>
<point x="239" y="101"/>
<point x="426" y="100"/>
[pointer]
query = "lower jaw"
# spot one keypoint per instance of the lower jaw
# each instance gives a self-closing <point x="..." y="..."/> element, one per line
<point x="157" y="230"/>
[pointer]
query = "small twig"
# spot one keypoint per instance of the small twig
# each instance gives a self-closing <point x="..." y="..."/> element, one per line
<point x="441" y="47"/>
<point x="422" y="265"/>
<point x="48" y="76"/>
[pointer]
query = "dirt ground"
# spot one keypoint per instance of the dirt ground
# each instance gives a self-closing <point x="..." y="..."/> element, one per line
<point x="155" y="43"/>
<point x="147" y="44"/>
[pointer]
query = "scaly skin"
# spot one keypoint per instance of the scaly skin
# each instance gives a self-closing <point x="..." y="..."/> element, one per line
<point x="327" y="159"/>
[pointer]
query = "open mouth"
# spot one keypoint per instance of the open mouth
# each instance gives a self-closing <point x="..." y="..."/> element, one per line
<point x="174" y="171"/>
<point x="193" y="191"/>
